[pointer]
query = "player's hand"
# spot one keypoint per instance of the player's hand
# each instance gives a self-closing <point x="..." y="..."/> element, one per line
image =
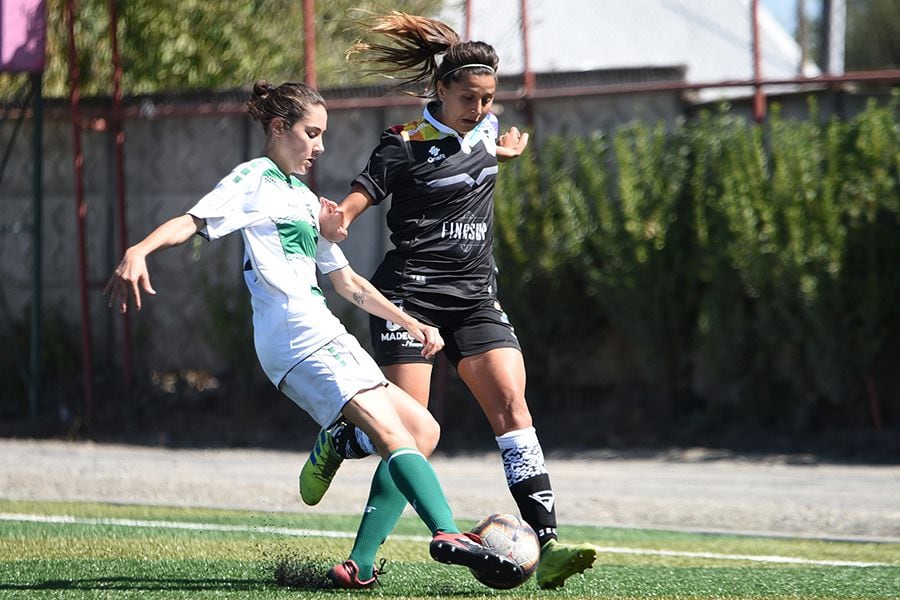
<point x="431" y="339"/>
<point x="331" y="221"/>
<point x="511" y="144"/>
<point x="127" y="280"/>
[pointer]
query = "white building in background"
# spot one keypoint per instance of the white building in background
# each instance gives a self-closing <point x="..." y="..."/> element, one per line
<point x="712" y="39"/>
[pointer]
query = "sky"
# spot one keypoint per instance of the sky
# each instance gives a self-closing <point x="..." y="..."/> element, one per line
<point x="786" y="11"/>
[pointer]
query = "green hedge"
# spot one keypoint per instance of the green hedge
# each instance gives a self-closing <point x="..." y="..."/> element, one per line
<point x="754" y="271"/>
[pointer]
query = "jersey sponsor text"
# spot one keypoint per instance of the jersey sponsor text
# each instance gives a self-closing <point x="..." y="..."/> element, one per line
<point x="403" y="337"/>
<point x="464" y="231"/>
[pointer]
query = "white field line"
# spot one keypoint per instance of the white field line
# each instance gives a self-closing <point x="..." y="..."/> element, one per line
<point x="294" y="532"/>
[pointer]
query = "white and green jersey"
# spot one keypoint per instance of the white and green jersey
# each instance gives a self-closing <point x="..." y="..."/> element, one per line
<point x="277" y="216"/>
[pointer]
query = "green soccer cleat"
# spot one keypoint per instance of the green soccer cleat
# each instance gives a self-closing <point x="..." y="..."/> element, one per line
<point x="561" y="561"/>
<point x="320" y="467"/>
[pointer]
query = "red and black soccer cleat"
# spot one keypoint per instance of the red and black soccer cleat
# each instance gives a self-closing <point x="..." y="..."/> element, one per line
<point x="346" y="576"/>
<point x="467" y="550"/>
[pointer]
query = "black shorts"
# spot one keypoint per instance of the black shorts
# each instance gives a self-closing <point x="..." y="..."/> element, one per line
<point x="466" y="332"/>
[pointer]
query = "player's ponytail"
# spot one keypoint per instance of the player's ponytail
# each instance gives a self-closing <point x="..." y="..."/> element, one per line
<point x="410" y="54"/>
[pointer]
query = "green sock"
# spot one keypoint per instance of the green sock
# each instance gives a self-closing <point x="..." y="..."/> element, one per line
<point x="383" y="510"/>
<point x="415" y="478"/>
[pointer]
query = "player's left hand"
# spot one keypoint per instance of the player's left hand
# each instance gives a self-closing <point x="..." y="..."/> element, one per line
<point x="511" y="144"/>
<point x="331" y="221"/>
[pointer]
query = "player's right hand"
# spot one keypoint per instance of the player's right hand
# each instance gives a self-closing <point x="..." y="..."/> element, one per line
<point x="127" y="280"/>
<point x="431" y="339"/>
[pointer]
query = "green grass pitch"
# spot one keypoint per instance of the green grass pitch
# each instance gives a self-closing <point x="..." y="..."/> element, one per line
<point x="80" y="550"/>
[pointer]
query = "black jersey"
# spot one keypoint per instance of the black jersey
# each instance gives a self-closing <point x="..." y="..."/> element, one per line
<point x="441" y="186"/>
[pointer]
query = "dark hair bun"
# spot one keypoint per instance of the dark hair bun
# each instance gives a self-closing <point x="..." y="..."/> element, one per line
<point x="262" y="88"/>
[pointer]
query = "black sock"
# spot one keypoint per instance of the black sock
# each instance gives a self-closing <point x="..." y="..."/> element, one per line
<point x="346" y="442"/>
<point x="528" y="480"/>
<point x="535" y="500"/>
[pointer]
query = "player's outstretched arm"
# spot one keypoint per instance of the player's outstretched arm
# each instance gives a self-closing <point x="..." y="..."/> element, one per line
<point x="354" y="204"/>
<point x="132" y="275"/>
<point x="357" y="289"/>
<point x="335" y="219"/>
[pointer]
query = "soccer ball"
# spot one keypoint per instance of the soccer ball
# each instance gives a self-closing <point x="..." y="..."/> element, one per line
<point x="513" y="538"/>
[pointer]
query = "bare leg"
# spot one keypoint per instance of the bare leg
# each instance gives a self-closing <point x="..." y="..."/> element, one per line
<point x="413" y="378"/>
<point x="497" y="380"/>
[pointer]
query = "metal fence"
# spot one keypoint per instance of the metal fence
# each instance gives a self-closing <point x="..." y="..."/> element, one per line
<point x="177" y="148"/>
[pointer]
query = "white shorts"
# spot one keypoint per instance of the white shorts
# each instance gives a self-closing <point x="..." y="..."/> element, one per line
<point x="325" y="380"/>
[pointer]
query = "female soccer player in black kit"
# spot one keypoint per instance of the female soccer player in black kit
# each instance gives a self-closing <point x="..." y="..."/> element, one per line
<point x="440" y="172"/>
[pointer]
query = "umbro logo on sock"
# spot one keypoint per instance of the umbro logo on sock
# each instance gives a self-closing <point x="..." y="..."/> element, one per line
<point x="544" y="498"/>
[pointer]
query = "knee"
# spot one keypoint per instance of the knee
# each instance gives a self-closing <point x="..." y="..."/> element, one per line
<point x="509" y="414"/>
<point x="388" y="442"/>
<point x="427" y="436"/>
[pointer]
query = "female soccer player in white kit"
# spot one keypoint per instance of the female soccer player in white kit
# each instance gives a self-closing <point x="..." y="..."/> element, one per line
<point x="303" y="348"/>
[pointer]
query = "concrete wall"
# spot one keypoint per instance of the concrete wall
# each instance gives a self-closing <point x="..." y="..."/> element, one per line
<point x="171" y="162"/>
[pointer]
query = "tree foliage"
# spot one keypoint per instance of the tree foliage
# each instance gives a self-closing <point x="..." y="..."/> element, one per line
<point x="752" y="270"/>
<point x="873" y="35"/>
<point x="179" y="45"/>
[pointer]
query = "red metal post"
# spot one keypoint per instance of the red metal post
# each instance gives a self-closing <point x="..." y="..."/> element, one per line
<point x="309" y="41"/>
<point x="119" y="133"/>
<point x="468" y="15"/>
<point x="80" y="214"/>
<point x="526" y="62"/>
<point x="526" y="52"/>
<point x="759" y="99"/>
<point x="309" y="51"/>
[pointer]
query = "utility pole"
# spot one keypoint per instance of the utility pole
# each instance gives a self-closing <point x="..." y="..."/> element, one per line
<point x="834" y="17"/>
<point x="834" y="30"/>
<point x="801" y="36"/>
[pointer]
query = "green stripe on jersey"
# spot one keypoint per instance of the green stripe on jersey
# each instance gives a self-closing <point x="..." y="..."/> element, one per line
<point x="298" y="238"/>
<point x="275" y="175"/>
